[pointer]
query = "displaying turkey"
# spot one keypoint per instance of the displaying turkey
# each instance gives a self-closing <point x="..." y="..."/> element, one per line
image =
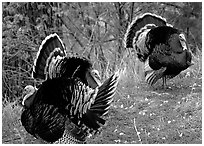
<point x="162" y="48"/>
<point x="52" y="62"/>
<point x="71" y="102"/>
<point x="65" y="110"/>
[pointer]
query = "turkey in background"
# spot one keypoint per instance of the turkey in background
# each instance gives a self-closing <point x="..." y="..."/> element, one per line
<point x="161" y="47"/>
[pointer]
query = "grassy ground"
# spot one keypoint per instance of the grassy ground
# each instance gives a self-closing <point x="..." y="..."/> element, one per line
<point x="139" y="114"/>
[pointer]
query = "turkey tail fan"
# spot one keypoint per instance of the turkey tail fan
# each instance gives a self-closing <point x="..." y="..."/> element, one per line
<point x="52" y="46"/>
<point x="147" y="19"/>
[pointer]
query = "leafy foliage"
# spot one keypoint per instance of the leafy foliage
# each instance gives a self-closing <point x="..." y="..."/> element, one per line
<point x="21" y="36"/>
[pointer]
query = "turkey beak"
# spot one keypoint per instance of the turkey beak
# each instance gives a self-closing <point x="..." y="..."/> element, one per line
<point x="190" y="63"/>
<point x="24" y="93"/>
<point x="93" y="79"/>
<point x="20" y="101"/>
<point x="183" y="44"/>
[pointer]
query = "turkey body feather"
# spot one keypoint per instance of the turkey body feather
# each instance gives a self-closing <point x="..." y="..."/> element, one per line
<point x="44" y="121"/>
<point x="162" y="48"/>
<point x="60" y="99"/>
<point x="71" y="101"/>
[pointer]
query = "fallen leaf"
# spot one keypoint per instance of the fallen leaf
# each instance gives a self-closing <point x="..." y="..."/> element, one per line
<point x="146" y="99"/>
<point x="143" y="112"/>
<point x="131" y="106"/>
<point x="166" y="101"/>
<point x="118" y="140"/>
<point x="148" y="133"/>
<point x="121" y="133"/>
<point x="181" y="134"/>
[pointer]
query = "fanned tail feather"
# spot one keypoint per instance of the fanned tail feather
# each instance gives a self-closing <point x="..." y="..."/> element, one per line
<point x="138" y="23"/>
<point x="135" y="36"/>
<point x="51" y="47"/>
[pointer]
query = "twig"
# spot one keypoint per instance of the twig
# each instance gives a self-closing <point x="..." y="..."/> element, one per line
<point x="10" y="140"/>
<point x="131" y="11"/>
<point x="172" y="4"/>
<point x="19" y="134"/>
<point x="138" y="133"/>
<point x="71" y="32"/>
<point x="8" y="87"/>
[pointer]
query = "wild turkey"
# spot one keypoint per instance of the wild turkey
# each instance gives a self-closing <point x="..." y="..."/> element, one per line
<point x="52" y="62"/>
<point x="161" y="47"/>
<point x="71" y="101"/>
<point x="65" y="110"/>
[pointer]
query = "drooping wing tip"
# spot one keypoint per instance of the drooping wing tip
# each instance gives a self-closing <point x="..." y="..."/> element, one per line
<point x="118" y="74"/>
<point x="153" y="76"/>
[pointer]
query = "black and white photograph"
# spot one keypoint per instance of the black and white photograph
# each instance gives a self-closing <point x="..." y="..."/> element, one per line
<point x="101" y="72"/>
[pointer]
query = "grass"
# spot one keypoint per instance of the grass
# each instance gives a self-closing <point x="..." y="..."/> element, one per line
<point x="140" y="114"/>
<point x="12" y="130"/>
<point x="150" y="117"/>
